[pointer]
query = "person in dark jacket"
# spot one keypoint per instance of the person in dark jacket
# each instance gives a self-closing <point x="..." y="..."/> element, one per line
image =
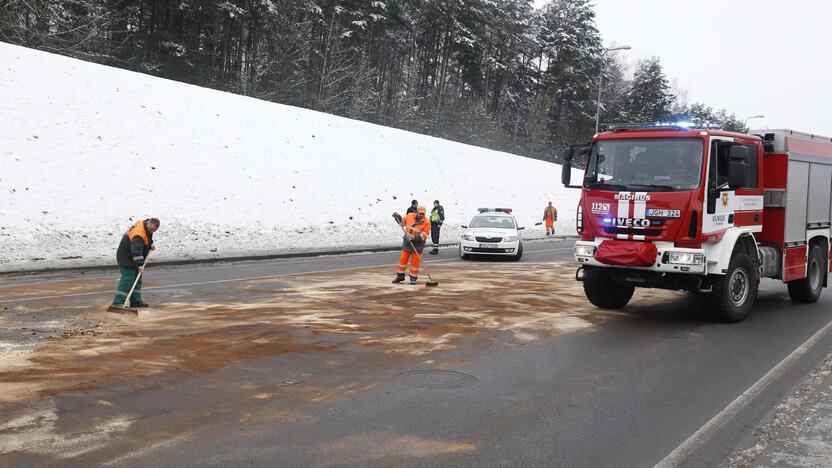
<point x="132" y="251"/>
<point x="437" y="217"/>
<point x="412" y="208"/>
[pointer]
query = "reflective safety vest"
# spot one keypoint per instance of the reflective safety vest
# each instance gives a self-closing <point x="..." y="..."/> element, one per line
<point x="138" y="230"/>
<point x="420" y="230"/>
<point x="550" y="213"/>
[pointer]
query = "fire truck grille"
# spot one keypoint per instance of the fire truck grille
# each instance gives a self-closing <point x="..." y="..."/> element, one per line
<point x="633" y="232"/>
<point x="492" y="240"/>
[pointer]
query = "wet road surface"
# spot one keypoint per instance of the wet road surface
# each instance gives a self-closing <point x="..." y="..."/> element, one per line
<point x="322" y="362"/>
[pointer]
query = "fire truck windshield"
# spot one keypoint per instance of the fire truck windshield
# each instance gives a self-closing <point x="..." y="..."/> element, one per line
<point x="646" y="164"/>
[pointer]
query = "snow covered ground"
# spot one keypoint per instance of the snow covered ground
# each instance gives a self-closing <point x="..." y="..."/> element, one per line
<point x="86" y="149"/>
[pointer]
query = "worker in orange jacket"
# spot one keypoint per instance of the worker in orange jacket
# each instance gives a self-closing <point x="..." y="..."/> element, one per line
<point x="416" y="228"/>
<point x="550" y="215"/>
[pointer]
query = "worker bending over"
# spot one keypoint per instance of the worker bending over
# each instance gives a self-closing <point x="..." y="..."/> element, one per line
<point x="416" y="228"/>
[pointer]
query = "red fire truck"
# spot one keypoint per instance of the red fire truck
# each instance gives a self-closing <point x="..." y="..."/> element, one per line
<point x="675" y="207"/>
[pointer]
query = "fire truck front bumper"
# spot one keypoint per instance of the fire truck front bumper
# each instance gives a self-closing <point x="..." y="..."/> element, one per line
<point x="668" y="258"/>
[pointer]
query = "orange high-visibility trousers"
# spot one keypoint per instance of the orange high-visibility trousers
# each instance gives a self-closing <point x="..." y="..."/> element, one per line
<point x="415" y="262"/>
<point x="550" y="225"/>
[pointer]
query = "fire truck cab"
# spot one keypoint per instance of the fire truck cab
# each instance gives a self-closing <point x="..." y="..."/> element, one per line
<point x="674" y="207"/>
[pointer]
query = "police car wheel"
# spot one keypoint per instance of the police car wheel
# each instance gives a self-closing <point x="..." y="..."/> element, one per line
<point x="519" y="253"/>
<point x="462" y="255"/>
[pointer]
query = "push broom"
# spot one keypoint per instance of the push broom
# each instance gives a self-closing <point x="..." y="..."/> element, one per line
<point x="431" y="283"/>
<point x="126" y="309"/>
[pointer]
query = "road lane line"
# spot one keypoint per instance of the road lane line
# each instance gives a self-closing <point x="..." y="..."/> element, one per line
<point x="683" y="451"/>
<point x="550" y="250"/>
<point x="232" y="280"/>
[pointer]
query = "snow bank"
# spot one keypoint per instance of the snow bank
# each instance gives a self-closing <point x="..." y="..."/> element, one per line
<point x="86" y="149"/>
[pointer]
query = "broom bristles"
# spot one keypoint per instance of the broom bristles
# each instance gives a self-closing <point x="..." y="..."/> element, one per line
<point x="121" y="310"/>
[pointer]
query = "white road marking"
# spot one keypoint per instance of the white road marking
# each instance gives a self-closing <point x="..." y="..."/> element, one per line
<point x="246" y="278"/>
<point x="680" y="453"/>
<point x="550" y="250"/>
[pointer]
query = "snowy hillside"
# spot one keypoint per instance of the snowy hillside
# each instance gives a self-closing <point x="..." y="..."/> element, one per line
<point x="86" y="149"/>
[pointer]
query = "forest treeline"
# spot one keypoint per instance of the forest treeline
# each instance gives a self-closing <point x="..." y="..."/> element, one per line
<point x="494" y="73"/>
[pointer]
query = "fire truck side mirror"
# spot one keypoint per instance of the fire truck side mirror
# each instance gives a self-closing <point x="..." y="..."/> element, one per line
<point x="566" y="168"/>
<point x="738" y="166"/>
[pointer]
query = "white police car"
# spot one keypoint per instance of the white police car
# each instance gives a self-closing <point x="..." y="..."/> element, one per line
<point x="493" y="231"/>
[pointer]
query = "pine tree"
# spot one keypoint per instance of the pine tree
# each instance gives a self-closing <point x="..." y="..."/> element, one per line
<point x="571" y="51"/>
<point x="614" y="92"/>
<point x="701" y="114"/>
<point x="649" y="98"/>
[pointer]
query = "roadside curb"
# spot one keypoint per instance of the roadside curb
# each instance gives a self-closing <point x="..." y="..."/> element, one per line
<point x="298" y="254"/>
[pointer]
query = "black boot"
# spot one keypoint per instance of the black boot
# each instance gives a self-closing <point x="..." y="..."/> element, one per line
<point x="399" y="278"/>
<point x="434" y="251"/>
<point x="412" y="279"/>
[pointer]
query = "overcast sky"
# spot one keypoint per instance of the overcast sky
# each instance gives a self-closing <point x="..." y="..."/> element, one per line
<point x="750" y="57"/>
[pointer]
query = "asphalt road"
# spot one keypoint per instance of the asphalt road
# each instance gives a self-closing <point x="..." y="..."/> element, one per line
<point x="623" y="389"/>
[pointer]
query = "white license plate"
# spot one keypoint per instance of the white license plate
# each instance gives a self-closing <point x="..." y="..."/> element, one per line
<point x="488" y="246"/>
<point x="661" y="213"/>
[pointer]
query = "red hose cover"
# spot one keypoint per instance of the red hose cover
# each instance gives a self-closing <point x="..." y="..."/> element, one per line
<point x="626" y="253"/>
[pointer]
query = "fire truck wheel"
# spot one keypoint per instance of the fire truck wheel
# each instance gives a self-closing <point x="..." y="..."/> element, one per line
<point x="807" y="290"/>
<point x="734" y="294"/>
<point x="602" y="291"/>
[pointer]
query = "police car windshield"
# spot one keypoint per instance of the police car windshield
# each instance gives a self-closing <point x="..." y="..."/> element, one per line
<point x="646" y="164"/>
<point x="498" y="222"/>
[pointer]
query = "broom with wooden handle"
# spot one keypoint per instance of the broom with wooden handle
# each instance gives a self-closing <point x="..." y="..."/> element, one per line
<point x="126" y="308"/>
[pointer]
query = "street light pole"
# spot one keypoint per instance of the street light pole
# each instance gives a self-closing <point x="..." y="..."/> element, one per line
<point x="600" y="82"/>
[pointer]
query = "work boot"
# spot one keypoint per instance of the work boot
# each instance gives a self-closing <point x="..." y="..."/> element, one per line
<point x="434" y="251"/>
<point x="399" y="278"/>
<point x="139" y="304"/>
<point x="413" y="279"/>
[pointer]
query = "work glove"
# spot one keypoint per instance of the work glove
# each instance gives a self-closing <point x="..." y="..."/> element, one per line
<point x="409" y="237"/>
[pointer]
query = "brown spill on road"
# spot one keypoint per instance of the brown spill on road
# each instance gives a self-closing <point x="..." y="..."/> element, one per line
<point x="310" y="313"/>
<point x="57" y="288"/>
<point x="357" y="320"/>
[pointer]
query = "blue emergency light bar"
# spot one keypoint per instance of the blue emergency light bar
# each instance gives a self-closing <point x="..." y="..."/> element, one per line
<point x="680" y="125"/>
<point x="499" y="210"/>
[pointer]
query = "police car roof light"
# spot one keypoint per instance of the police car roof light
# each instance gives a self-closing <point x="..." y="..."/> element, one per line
<point x="497" y="210"/>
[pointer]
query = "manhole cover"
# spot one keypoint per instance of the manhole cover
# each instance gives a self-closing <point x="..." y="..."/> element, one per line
<point x="435" y="379"/>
